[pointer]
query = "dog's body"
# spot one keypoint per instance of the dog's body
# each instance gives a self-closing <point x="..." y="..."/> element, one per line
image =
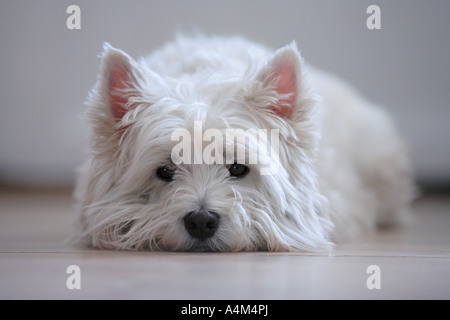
<point x="342" y="167"/>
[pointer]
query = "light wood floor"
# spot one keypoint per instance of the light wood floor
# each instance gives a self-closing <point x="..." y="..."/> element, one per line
<point x="414" y="263"/>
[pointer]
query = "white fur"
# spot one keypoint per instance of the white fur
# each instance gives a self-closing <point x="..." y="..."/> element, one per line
<point x="343" y="170"/>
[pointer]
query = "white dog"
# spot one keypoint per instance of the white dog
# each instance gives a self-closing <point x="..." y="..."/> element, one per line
<point x="341" y="169"/>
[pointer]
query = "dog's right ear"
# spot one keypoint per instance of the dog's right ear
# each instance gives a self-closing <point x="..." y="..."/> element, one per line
<point x="118" y="81"/>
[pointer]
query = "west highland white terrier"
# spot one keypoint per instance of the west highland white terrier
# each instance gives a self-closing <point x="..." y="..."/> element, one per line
<point x="167" y="171"/>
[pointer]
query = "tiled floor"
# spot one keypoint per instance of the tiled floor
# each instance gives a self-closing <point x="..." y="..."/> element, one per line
<point x="414" y="263"/>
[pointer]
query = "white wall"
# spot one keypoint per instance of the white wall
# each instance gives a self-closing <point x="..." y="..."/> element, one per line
<point x="46" y="70"/>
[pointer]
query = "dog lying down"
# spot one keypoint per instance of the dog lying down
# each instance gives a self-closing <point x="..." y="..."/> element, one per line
<point x="219" y="144"/>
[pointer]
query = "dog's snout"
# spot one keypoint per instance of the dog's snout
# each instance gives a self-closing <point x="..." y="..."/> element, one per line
<point x="201" y="225"/>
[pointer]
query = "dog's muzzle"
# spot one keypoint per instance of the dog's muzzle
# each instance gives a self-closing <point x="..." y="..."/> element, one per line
<point x="201" y="224"/>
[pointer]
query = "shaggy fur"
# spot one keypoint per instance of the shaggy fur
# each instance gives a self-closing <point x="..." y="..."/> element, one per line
<point x="343" y="169"/>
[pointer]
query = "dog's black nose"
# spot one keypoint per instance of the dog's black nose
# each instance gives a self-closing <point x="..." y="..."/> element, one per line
<point x="201" y="225"/>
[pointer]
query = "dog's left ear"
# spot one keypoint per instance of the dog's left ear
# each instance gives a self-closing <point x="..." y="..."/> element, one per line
<point x="283" y="74"/>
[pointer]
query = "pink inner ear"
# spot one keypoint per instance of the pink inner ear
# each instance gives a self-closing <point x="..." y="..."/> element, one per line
<point x="286" y="84"/>
<point x="118" y="80"/>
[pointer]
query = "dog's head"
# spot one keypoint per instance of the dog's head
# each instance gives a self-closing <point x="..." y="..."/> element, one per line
<point x="215" y="160"/>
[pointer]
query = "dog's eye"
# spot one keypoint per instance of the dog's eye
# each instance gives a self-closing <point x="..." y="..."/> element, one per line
<point x="238" y="170"/>
<point x="165" y="173"/>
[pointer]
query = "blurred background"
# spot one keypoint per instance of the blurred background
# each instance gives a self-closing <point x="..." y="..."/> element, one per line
<point x="46" y="70"/>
